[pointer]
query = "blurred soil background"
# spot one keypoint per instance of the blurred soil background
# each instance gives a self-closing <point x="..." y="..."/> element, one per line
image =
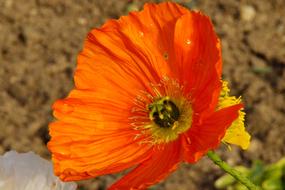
<point x="40" y="40"/>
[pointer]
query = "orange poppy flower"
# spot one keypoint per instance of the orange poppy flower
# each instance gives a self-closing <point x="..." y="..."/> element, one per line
<point x="146" y="92"/>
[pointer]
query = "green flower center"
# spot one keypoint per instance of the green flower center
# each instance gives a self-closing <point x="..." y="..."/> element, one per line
<point x="164" y="112"/>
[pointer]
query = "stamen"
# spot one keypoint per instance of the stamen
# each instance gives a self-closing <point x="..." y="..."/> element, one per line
<point x="155" y="89"/>
<point x="148" y="95"/>
<point x="136" y="109"/>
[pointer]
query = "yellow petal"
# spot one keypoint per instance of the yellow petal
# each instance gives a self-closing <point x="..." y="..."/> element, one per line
<point x="236" y="133"/>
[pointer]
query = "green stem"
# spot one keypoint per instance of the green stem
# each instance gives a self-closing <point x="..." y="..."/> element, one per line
<point x="237" y="175"/>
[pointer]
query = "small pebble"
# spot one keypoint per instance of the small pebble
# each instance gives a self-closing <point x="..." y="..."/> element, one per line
<point x="247" y="13"/>
<point x="82" y="21"/>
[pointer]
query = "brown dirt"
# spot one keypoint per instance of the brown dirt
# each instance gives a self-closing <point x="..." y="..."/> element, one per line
<point x="39" y="42"/>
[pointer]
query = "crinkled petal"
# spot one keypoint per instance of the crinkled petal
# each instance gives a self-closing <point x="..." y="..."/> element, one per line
<point x="198" y="60"/>
<point x="208" y="134"/>
<point x="129" y="52"/>
<point x="154" y="31"/>
<point x="106" y="62"/>
<point x="93" y="135"/>
<point x="165" y="160"/>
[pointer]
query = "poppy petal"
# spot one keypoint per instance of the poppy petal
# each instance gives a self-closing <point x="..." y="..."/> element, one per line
<point x="93" y="135"/>
<point x="106" y="62"/>
<point x="156" y="30"/>
<point x="207" y="135"/>
<point x="198" y="59"/>
<point x="164" y="161"/>
<point x="128" y="49"/>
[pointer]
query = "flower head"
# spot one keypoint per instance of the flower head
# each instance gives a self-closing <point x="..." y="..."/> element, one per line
<point x="27" y="171"/>
<point x="146" y="93"/>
